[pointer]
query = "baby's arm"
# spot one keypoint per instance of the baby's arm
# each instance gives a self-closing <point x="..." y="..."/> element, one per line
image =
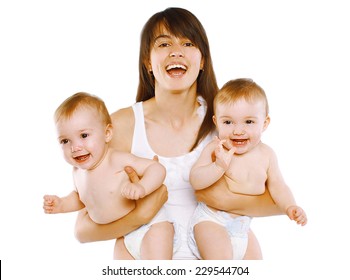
<point x="211" y="165"/>
<point x="152" y="175"/>
<point x="54" y="204"/>
<point x="282" y="194"/>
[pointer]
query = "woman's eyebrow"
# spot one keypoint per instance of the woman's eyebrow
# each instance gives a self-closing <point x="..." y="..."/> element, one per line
<point x="161" y="36"/>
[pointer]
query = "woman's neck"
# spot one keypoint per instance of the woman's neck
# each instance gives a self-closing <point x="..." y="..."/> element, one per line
<point x="172" y="117"/>
<point x="176" y="107"/>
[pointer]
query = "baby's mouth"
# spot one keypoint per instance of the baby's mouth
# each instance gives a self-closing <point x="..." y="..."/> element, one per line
<point x="82" y="158"/>
<point x="239" y="142"/>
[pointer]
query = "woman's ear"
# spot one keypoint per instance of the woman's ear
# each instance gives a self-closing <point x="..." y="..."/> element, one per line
<point x="109" y="133"/>
<point x="148" y="65"/>
<point x="202" y="64"/>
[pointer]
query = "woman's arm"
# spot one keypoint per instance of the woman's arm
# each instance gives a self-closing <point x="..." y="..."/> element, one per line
<point x="220" y="197"/>
<point x="146" y="208"/>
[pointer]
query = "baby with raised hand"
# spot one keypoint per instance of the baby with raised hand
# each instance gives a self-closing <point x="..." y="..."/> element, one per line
<point x="247" y="166"/>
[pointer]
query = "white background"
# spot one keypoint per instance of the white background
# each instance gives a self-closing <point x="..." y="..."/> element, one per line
<point x="298" y="51"/>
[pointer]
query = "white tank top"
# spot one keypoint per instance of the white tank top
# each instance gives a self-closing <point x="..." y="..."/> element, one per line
<point x="181" y="200"/>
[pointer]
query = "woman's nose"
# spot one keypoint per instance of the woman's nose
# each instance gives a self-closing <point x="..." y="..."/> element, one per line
<point x="176" y="51"/>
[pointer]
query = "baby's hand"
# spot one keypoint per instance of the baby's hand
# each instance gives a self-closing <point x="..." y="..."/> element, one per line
<point x="52" y="204"/>
<point x="223" y="156"/>
<point x="297" y="214"/>
<point x="133" y="191"/>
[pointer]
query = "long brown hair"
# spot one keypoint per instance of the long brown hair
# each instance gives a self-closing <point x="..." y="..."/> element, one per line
<point x="180" y="23"/>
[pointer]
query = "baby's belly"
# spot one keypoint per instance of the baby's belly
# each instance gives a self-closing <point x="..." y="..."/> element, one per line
<point x="103" y="199"/>
<point x="110" y="211"/>
<point x="246" y="187"/>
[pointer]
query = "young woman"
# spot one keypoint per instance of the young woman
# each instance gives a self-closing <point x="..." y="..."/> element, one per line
<point x="173" y="120"/>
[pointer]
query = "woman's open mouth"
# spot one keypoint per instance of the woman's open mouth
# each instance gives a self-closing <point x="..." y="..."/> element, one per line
<point x="176" y="70"/>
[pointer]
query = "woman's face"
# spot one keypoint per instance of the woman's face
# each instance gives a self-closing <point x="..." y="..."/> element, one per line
<point x="175" y="62"/>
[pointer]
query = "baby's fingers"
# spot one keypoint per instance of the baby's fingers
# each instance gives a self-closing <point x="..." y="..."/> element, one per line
<point x="48" y="200"/>
<point x="124" y="192"/>
<point x="302" y="220"/>
<point x="48" y="209"/>
<point x="128" y="193"/>
<point x="300" y="217"/>
<point x="232" y="151"/>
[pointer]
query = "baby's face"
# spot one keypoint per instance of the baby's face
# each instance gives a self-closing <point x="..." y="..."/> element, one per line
<point x="82" y="138"/>
<point x="241" y="123"/>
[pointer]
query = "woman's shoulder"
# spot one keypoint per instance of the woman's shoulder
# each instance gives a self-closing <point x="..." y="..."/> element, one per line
<point x="123" y="122"/>
<point x="122" y="114"/>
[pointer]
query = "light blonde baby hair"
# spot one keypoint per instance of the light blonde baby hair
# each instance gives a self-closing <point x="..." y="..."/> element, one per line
<point x="237" y="89"/>
<point x="82" y="100"/>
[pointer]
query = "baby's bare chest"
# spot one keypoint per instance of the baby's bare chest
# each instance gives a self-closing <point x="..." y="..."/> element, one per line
<point x="97" y="188"/>
<point x="247" y="176"/>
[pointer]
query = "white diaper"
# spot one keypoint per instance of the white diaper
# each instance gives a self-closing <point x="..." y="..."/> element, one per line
<point x="237" y="229"/>
<point x="133" y="240"/>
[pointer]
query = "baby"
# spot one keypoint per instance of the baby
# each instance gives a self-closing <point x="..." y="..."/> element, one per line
<point x="84" y="130"/>
<point x="247" y="165"/>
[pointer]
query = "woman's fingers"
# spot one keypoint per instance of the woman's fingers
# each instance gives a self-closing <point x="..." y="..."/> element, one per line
<point x="134" y="178"/>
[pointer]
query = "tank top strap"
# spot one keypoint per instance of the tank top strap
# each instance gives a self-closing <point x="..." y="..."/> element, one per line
<point x="140" y="146"/>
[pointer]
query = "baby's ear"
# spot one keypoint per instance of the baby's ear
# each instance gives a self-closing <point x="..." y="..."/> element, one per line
<point x="109" y="133"/>
<point x="266" y="122"/>
<point x="214" y="120"/>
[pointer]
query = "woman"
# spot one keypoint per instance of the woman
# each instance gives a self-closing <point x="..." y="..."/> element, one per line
<point x="173" y="120"/>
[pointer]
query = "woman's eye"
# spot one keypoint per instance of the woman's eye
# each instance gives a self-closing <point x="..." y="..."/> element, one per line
<point x="163" y="45"/>
<point x="188" y="44"/>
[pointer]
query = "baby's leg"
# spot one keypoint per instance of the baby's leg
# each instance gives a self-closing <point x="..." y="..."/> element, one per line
<point x="253" y="250"/>
<point x="120" y="251"/>
<point x="213" y="241"/>
<point x="157" y="244"/>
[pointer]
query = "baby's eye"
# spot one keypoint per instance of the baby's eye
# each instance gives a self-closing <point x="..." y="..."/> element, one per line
<point x="84" y="135"/>
<point x="227" y="122"/>
<point x="64" y="141"/>
<point x="249" y="122"/>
